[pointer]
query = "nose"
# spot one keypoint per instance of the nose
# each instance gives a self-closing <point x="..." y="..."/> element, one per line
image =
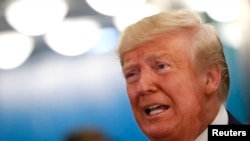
<point x="146" y="84"/>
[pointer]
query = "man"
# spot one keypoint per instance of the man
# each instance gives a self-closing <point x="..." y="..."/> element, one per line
<point x="176" y="76"/>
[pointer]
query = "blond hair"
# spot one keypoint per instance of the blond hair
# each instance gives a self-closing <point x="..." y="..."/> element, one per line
<point x="207" y="47"/>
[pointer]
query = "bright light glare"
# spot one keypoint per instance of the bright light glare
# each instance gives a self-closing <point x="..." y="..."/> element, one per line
<point x="15" y="48"/>
<point x="232" y="34"/>
<point x="224" y="10"/>
<point x="114" y="7"/>
<point x="197" y="5"/>
<point x="35" y="17"/>
<point x="134" y="15"/>
<point x="74" y="36"/>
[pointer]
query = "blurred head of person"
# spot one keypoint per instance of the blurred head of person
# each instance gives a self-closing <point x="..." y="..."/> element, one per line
<point x="86" y="134"/>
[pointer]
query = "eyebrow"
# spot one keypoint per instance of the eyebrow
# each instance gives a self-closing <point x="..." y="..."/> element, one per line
<point x="129" y="64"/>
<point x="159" y="56"/>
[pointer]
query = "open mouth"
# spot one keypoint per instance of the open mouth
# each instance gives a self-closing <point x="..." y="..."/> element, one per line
<point x="156" y="109"/>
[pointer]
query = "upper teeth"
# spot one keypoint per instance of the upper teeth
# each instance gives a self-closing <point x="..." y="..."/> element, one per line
<point x="154" y="106"/>
<point x="154" y="109"/>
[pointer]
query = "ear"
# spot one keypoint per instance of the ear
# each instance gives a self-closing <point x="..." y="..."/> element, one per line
<point x="213" y="79"/>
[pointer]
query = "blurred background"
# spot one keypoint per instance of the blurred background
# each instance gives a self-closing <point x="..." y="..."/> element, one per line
<point x="59" y="71"/>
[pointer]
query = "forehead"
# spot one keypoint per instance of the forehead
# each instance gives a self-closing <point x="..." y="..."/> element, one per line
<point x="174" y="46"/>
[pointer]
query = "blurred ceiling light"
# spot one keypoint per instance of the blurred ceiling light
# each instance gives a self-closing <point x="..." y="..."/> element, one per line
<point x="74" y="36"/>
<point x="197" y="5"/>
<point x="134" y="15"/>
<point x="232" y="34"/>
<point x="15" y="49"/>
<point x="35" y="17"/>
<point x="161" y="4"/>
<point x="114" y="7"/>
<point x="224" y="10"/>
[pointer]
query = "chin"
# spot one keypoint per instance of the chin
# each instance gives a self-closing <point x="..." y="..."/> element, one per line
<point x="157" y="132"/>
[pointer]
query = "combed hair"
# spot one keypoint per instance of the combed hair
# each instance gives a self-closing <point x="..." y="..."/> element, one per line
<point x="206" y="43"/>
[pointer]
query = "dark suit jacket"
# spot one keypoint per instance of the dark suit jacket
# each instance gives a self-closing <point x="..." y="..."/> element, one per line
<point x="232" y="119"/>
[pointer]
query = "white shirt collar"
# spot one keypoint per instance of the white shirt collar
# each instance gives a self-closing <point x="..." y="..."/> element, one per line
<point x="221" y="118"/>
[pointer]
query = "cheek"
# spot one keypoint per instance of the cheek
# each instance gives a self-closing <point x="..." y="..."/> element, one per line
<point x="131" y="94"/>
<point x="184" y="91"/>
<point x="189" y="100"/>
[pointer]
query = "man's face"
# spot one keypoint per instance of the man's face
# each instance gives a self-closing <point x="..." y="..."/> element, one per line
<point x="165" y="90"/>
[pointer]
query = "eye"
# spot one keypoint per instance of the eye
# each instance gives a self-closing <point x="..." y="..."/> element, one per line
<point x="162" y="67"/>
<point x="131" y="76"/>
